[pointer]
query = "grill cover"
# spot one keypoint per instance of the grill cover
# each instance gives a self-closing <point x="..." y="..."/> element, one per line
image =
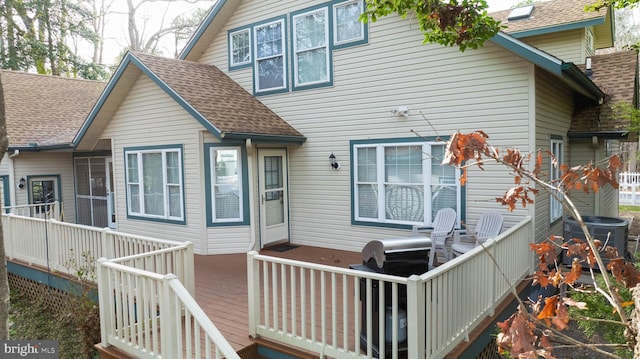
<point x="398" y="256"/>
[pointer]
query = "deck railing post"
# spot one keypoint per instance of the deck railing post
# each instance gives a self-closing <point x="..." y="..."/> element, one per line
<point x="189" y="269"/>
<point x="253" y="291"/>
<point x="416" y="317"/>
<point x="106" y="243"/>
<point x="106" y="324"/>
<point x="169" y="335"/>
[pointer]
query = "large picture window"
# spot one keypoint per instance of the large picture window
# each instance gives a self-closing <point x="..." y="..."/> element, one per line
<point x="270" y="64"/>
<point x="557" y="150"/>
<point x="402" y="183"/>
<point x="311" y="47"/>
<point x="154" y="183"/>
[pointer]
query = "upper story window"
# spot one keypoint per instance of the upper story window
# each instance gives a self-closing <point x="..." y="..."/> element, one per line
<point x="239" y="48"/>
<point x="154" y="183"/>
<point x="309" y="37"/>
<point x="402" y="183"/>
<point x="311" y="47"/>
<point x="589" y="41"/>
<point x="557" y="150"/>
<point x="347" y="26"/>
<point x="270" y="68"/>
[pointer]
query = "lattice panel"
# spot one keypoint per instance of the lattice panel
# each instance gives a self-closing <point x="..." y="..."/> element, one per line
<point x="53" y="297"/>
<point x="490" y="351"/>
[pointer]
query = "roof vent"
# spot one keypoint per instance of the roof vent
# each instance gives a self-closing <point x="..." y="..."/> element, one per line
<point x="522" y="12"/>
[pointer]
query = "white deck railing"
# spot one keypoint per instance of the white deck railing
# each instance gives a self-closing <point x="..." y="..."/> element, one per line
<point x="629" y="188"/>
<point x="308" y="305"/>
<point x="144" y="284"/>
<point x="51" y="210"/>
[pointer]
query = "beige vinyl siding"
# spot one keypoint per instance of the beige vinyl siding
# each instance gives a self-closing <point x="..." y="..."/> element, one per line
<point x="34" y="164"/>
<point x="149" y="117"/>
<point x="445" y="91"/>
<point x="566" y="45"/>
<point x="583" y="151"/>
<point x="554" y="109"/>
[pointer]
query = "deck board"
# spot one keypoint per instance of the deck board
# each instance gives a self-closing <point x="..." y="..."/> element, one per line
<point x="221" y="286"/>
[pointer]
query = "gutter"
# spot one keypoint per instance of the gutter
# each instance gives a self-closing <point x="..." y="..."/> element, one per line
<point x="579" y="78"/>
<point x="33" y="147"/>
<point x="264" y="138"/>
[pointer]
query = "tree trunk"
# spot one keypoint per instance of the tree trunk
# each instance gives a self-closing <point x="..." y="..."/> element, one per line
<point x="633" y="329"/>
<point x="4" y="283"/>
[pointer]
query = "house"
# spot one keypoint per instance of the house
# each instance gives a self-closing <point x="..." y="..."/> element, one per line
<point x="43" y="114"/>
<point x="298" y="123"/>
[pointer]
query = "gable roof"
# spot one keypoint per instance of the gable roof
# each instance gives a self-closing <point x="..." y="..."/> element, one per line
<point x="617" y="75"/>
<point x="217" y="102"/>
<point x="560" y="15"/>
<point x="45" y="112"/>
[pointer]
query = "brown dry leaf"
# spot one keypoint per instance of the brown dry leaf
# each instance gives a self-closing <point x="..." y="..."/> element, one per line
<point x="549" y="310"/>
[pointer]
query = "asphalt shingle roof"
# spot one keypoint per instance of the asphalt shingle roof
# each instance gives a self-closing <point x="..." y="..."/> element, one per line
<point x="615" y="74"/>
<point x="549" y="14"/>
<point x="213" y="94"/>
<point x="46" y="110"/>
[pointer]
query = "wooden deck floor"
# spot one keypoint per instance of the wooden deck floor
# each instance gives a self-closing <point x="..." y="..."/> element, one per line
<point x="221" y="286"/>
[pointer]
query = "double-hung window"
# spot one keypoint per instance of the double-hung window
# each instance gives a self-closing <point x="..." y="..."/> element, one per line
<point x="270" y="66"/>
<point x="240" y="48"/>
<point x="311" y="47"/>
<point x="347" y="26"/>
<point x="557" y="150"/>
<point x="154" y="183"/>
<point x="402" y="183"/>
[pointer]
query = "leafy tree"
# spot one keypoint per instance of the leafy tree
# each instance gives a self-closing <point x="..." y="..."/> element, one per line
<point x="529" y="331"/>
<point x="36" y="34"/>
<point x="464" y="23"/>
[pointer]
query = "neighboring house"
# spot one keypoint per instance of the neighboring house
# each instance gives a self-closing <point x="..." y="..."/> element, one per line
<point x="295" y="122"/>
<point x="43" y="114"/>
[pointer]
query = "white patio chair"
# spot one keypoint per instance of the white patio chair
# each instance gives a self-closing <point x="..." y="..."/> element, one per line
<point x="443" y="226"/>
<point x="489" y="225"/>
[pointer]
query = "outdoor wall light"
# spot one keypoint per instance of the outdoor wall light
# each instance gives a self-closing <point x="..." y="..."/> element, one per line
<point x="21" y="183"/>
<point x="332" y="161"/>
<point x="401" y="111"/>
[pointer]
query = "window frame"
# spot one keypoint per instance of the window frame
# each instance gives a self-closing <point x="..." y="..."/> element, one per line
<point x="427" y="185"/>
<point x="363" y="39"/>
<point x="231" y="33"/>
<point x="327" y="46"/>
<point x="256" y="59"/>
<point x="556" y="148"/>
<point x="243" y="184"/>
<point x="163" y="150"/>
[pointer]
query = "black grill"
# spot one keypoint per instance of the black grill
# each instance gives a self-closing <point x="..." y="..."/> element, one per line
<point x="401" y="257"/>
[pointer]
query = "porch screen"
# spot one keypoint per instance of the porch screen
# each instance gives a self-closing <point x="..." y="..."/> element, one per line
<point x="91" y="191"/>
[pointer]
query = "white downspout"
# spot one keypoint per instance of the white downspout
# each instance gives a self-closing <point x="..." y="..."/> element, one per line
<point x="12" y="178"/>
<point x="252" y="212"/>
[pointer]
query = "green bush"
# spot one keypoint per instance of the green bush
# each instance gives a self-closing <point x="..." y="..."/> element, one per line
<point x="75" y="324"/>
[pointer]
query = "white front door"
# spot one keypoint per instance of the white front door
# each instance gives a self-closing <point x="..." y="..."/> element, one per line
<point x="274" y="208"/>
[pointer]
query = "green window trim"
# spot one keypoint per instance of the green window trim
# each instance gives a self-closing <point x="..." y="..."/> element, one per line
<point x="213" y="219"/>
<point x="280" y="60"/>
<point x="401" y="169"/>
<point x="151" y="192"/>
<point x="240" y="47"/>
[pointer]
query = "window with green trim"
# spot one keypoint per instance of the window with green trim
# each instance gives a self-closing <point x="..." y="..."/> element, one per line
<point x="311" y="47"/>
<point x="346" y="23"/>
<point x="270" y="68"/>
<point x="154" y="183"/>
<point x="239" y="48"/>
<point x="402" y="183"/>
<point x="555" y="174"/>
